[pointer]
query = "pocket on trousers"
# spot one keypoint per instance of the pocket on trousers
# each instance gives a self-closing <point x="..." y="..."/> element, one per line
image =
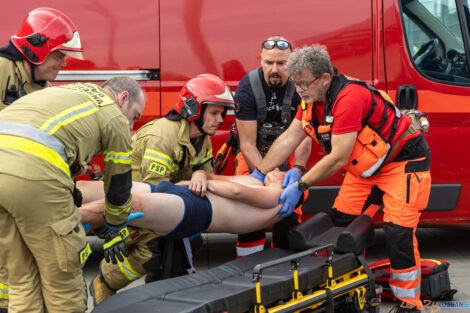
<point x="418" y="188"/>
<point x="69" y="239"/>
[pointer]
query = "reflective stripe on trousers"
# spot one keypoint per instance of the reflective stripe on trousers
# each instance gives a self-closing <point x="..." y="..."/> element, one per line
<point x="407" y="279"/>
<point x="128" y="271"/>
<point x="31" y="140"/>
<point x="247" y="248"/>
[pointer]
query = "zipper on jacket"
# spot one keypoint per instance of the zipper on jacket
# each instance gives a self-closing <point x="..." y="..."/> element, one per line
<point x="408" y="183"/>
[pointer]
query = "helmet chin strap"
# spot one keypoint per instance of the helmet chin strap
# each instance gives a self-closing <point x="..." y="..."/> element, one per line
<point x="31" y="66"/>
<point x="200" y="121"/>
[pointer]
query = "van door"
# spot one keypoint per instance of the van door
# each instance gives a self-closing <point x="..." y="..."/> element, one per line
<point x="426" y="45"/>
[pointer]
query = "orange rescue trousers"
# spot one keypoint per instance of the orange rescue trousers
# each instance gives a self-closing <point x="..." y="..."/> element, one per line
<point x="404" y="188"/>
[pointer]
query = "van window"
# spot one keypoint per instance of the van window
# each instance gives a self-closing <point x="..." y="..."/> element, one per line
<point x="435" y="39"/>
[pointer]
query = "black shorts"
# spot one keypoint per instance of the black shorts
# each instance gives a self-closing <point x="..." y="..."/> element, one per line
<point x="197" y="211"/>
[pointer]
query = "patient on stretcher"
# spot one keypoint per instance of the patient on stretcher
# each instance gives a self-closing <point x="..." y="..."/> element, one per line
<point x="233" y="204"/>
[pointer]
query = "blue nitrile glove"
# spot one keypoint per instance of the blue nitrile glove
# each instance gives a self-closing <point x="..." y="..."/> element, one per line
<point x="291" y="177"/>
<point x="133" y="216"/>
<point x="258" y="175"/>
<point x="86" y="227"/>
<point x="290" y="197"/>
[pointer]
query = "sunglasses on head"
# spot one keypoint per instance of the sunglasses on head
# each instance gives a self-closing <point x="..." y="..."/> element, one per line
<point x="270" y="44"/>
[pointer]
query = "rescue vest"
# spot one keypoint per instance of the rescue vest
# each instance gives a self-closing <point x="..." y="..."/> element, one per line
<point x="371" y="148"/>
<point x="268" y="132"/>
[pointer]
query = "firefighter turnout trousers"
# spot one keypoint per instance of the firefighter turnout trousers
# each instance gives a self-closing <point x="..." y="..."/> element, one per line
<point x="145" y="256"/>
<point x="404" y="188"/>
<point x="45" y="246"/>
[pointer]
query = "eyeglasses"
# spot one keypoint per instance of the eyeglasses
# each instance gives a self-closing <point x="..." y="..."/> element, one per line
<point x="303" y="85"/>
<point x="270" y="44"/>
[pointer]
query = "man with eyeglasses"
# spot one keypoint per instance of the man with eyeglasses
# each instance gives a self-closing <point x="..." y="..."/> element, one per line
<point x="387" y="160"/>
<point x="268" y="103"/>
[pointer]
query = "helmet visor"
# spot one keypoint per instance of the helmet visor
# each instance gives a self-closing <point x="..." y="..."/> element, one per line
<point x="73" y="54"/>
<point x="228" y="105"/>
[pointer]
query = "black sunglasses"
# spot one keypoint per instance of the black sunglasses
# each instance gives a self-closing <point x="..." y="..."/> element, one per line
<point x="270" y="44"/>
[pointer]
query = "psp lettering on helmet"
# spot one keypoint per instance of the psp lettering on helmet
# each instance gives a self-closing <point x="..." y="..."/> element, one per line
<point x="98" y="97"/>
<point x="157" y="168"/>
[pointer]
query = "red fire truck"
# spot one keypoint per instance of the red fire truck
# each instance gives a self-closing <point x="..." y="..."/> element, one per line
<point x="417" y="50"/>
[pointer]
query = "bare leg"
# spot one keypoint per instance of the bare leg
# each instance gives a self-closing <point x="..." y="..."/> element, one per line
<point x="94" y="190"/>
<point x="163" y="212"/>
<point x="92" y="212"/>
<point x="91" y="190"/>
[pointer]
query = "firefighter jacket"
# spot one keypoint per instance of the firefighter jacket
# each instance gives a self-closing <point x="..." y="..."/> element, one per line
<point x="162" y="151"/>
<point x="46" y="133"/>
<point x="15" y="82"/>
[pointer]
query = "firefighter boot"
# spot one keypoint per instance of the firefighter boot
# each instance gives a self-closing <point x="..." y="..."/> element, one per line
<point x="100" y="290"/>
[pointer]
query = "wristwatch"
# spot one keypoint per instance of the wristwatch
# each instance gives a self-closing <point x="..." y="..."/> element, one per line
<point x="301" y="185"/>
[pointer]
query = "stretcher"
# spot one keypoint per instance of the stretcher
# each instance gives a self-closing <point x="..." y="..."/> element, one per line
<point x="324" y="272"/>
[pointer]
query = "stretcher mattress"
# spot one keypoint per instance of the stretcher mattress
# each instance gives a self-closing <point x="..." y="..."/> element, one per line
<point x="230" y="287"/>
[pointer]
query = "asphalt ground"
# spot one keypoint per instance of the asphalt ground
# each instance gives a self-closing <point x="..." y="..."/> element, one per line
<point x="450" y="244"/>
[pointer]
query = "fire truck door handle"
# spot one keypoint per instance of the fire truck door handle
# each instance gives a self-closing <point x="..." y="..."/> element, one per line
<point x="407" y="98"/>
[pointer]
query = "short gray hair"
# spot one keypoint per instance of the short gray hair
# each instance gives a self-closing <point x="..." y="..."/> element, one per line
<point x="314" y="58"/>
<point x="119" y="84"/>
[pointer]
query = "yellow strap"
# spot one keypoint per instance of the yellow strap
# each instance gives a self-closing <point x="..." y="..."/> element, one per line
<point x="124" y="233"/>
<point x="34" y="148"/>
<point x="111" y="243"/>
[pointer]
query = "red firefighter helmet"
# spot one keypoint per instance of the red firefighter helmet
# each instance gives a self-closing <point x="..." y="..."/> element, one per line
<point x="203" y="89"/>
<point x="44" y="30"/>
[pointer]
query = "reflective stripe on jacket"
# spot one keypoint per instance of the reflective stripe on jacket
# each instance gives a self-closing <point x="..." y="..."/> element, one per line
<point x="85" y="120"/>
<point x="162" y="151"/>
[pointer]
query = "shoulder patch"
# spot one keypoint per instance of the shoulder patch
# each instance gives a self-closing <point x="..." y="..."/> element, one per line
<point x="156" y="168"/>
<point x="98" y="97"/>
